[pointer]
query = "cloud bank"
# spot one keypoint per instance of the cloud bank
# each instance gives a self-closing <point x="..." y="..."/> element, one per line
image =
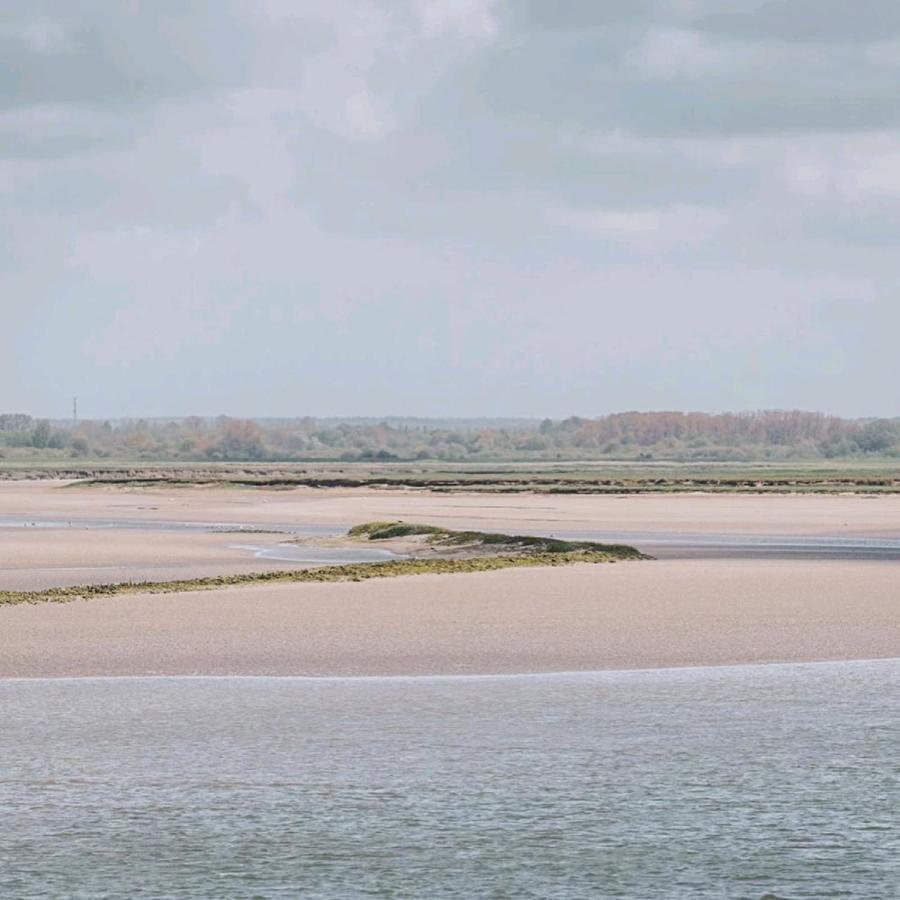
<point x="449" y="207"/>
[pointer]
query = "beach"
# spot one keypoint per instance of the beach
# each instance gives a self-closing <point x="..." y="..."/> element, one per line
<point x="616" y="616"/>
<point x="627" y="615"/>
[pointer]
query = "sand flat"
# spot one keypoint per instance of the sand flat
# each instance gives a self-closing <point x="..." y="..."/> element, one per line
<point x="627" y="615"/>
<point x="672" y="613"/>
<point x="797" y="514"/>
<point x="33" y="559"/>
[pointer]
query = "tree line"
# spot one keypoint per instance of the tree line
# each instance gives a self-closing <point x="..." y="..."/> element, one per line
<point x="743" y="436"/>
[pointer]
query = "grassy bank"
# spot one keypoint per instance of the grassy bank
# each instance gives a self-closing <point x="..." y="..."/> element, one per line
<point x="485" y="541"/>
<point x="351" y="572"/>
<point x="576" y="477"/>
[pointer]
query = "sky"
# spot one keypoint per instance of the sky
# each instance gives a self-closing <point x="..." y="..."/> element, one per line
<point x="449" y="207"/>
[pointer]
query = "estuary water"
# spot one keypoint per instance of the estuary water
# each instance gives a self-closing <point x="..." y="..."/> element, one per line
<point x="742" y="782"/>
<point x="662" y="544"/>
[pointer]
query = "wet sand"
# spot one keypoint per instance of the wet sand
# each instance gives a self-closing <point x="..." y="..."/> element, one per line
<point x="136" y="534"/>
<point x="627" y="615"/>
<point x="847" y="515"/>
<point x="33" y="559"/>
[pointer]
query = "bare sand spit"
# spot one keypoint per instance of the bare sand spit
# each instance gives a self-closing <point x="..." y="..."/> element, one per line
<point x="586" y="617"/>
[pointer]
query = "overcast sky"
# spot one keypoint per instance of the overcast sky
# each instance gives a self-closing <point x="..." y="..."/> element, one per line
<point x="449" y="207"/>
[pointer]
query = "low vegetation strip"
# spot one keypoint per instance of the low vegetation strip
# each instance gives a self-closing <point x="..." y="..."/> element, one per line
<point x="351" y="572"/>
<point x="588" y="478"/>
<point x="478" y="541"/>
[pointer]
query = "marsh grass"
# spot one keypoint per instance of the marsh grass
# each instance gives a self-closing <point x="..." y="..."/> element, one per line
<point x="325" y="574"/>
<point x="476" y="540"/>
<point x="860" y="475"/>
<point x="382" y="531"/>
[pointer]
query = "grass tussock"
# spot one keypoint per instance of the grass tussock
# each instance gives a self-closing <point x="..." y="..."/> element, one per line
<point x="350" y="572"/>
<point x="382" y="531"/>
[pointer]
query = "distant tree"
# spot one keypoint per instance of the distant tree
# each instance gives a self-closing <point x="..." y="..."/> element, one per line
<point x="17" y="423"/>
<point x="877" y="436"/>
<point x="760" y="435"/>
<point x="240" y="439"/>
<point x="40" y="436"/>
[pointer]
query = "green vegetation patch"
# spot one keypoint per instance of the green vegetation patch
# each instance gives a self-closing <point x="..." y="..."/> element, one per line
<point x="351" y="572"/>
<point x="382" y="531"/>
<point x="522" y="543"/>
<point x="861" y="476"/>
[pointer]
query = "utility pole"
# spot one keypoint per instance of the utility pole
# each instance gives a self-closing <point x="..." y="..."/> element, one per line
<point x="74" y="410"/>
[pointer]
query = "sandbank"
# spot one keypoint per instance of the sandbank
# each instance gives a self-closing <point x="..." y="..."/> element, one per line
<point x="33" y="559"/>
<point x="628" y="615"/>
<point x="788" y="514"/>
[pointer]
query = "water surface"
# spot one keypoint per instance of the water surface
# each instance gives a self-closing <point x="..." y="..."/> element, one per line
<point x="663" y="544"/>
<point x="705" y="783"/>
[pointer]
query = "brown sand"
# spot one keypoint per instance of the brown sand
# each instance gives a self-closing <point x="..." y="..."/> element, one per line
<point x="846" y="515"/>
<point x="628" y="615"/>
<point x="33" y="558"/>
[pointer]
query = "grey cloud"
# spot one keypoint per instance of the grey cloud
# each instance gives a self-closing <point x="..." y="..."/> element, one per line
<point x="475" y="181"/>
<point x="803" y="20"/>
<point x="875" y="223"/>
<point x="351" y="206"/>
<point x="786" y="101"/>
<point x="590" y="14"/>
<point x="16" y="144"/>
<point x="598" y="83"/>
<point x="52" y="131"/>
<point x="119" y="54"/>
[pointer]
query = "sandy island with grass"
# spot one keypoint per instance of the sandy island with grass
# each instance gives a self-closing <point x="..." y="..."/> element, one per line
<point x="582" y="616"/>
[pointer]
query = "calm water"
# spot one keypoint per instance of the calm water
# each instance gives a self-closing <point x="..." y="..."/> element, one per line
<point x="664" y="544"/>
<point x="716" y="783"/>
